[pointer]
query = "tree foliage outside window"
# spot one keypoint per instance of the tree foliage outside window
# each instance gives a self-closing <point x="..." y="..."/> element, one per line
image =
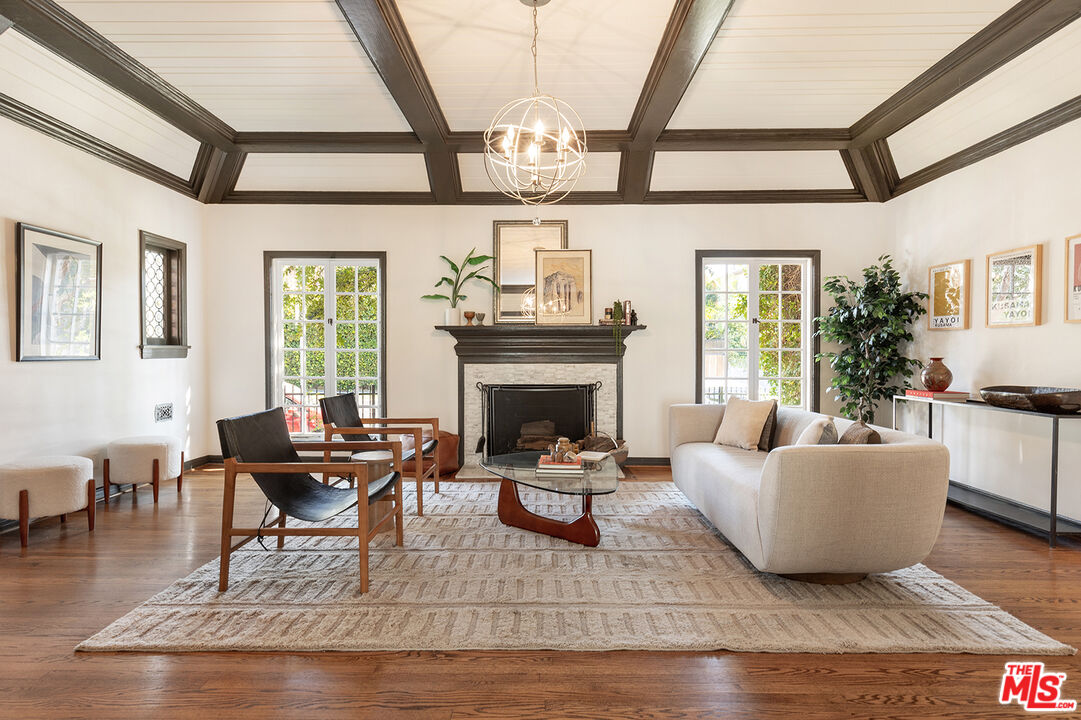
<point x="870" y="320"/>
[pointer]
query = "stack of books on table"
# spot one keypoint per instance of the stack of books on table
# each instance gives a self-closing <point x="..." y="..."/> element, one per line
<point x="950" y="395"/>
<point x="546" y="466"/>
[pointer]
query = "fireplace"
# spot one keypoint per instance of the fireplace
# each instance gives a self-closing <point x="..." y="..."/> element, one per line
<point x="518" y="418"/>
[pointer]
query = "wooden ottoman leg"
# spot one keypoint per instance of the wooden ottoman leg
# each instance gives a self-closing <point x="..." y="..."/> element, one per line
<point x="91" y="501"/>
<point x="157" y="469"/>
<point x="180" y="477"/>
<point x="105" y="481"/>
<point x="63" y="518"/>
<point x="24" y="517"/>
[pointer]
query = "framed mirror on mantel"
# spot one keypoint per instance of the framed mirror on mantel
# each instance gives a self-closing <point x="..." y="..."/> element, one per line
<point x="514" y="246"/>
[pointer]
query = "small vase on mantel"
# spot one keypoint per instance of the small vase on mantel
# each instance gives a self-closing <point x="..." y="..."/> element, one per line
<point x="452" y="316"/>
<point x="936" y="376"/>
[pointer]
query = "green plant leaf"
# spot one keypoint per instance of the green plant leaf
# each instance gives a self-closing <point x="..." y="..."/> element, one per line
<point x="479" y="259"/>
<point x="434" y="297"/>
<point x="451" y="263"/>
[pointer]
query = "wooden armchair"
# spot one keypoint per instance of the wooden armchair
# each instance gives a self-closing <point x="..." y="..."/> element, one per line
<point x="260" y="444"/>
<point x="342" y="417"/>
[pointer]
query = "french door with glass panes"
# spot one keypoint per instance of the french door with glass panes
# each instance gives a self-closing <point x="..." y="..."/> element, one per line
<point x="327" y="336"/>
<point x="756" y="330"/>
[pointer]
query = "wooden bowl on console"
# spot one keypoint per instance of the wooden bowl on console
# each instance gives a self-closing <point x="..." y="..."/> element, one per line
<point x="1058" y="401"/>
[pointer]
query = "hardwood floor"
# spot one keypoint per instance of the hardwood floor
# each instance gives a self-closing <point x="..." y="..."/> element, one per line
<point x="69" y="584"/>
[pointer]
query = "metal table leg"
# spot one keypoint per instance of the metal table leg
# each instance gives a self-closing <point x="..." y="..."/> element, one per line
<point x="1053" y="528"/>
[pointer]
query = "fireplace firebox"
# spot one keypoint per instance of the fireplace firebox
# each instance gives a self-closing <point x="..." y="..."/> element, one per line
<point x="518" y="418"/>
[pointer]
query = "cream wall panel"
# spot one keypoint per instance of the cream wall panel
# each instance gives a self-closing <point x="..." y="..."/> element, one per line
<point x="385" y="172"/>
<point x="259" y="66"/>
<point x="821" y="63"/>
<point x="595" y="55"/>
<point x="1035" y="81"/>
<point x="36" y="77"/>
<point x="750" y="170"/>
<point x="601" y="173"/>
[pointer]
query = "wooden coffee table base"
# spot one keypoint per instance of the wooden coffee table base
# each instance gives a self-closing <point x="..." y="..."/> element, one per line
<point x="582" y="530"/>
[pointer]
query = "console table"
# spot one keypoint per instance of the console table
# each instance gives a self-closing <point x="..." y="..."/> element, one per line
<point x="995" y="506"/>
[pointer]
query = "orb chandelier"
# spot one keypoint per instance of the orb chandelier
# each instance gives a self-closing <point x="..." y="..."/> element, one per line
<point x="535" y="148"/>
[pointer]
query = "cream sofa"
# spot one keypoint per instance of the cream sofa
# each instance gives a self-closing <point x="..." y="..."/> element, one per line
<point x="828" y="513"/>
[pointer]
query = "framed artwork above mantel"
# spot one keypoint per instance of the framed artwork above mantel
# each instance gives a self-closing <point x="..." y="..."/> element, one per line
<point x="514" y="246"/>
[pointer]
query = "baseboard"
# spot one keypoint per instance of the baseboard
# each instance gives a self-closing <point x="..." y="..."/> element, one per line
<point x="655" y="461"/>
<point x="204" y="460"/>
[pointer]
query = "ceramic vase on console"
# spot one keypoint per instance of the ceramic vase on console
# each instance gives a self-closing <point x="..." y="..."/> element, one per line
<point x="452" y="316"/>
<point x="936" y="376"/>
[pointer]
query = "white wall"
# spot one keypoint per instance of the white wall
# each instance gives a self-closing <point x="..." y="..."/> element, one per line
<point x="646" y="254"/>
<point x="77" y="407"/>
<point x="1028" y="194"/>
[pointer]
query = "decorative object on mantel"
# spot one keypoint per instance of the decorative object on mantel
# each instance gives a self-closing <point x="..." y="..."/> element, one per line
<point x="869" y="319"/>
<point x="950" y="296"/>
<point x="1015" y="287"/>
<point x="57" y="295"/>
<point x="564" y="287"/>
<point x="452" y="315"/>
<point x="480" y="318"/>
<point x="936" y="376"/>
<point x="535" y="147"/>
<point x="1058" y="401"/>
<point x="1073" y="279"/>
<point x="514" y="243"/>
<point x="469" y="315"/>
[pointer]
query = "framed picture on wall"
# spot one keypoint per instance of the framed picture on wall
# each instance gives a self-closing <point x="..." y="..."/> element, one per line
<point x="564" y="287"/>
<point x="1015" y="287"/>
<point x="514" y="243"/>
<point x="1073" y="278"/>
<point x="949" y="296"/>
<point x="57" y="295"/>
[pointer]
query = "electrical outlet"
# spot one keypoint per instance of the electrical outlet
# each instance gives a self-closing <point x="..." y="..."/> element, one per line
<point x="163" y="412"/>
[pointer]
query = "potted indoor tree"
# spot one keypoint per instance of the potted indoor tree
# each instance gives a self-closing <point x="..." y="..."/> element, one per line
<point x="463" y="272"/>
<point x="870" y="320"/>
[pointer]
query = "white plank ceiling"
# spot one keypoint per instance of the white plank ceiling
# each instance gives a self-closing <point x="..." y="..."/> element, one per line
<point x="341" y="172"/>
<point x="594" y="54"/>
<point x="821" y="63"/>
<point x="601" y="173"/>
<point x="1037" y="80"/>
<point x="36" y="77"/>
<point x="259" y="66"/>
<point x="750" y="170"/>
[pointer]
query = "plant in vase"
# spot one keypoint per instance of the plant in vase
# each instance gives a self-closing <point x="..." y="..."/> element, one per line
<point x="870" y="321"/>
<point x="452" y="315"/>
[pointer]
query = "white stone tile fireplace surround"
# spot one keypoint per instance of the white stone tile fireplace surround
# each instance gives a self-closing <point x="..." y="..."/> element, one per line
<point x="511" y="373"/>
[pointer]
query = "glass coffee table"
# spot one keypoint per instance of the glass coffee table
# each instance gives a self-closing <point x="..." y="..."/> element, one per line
<point x="521" y="469"/>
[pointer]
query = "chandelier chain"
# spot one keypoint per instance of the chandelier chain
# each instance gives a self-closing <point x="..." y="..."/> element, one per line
<point x="536" y="80"/>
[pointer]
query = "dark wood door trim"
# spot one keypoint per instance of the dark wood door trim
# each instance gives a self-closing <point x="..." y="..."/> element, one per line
<point x="687" y="37"/>
<point x="1015" y="31"/>
<point x="51" y="26"/>
<point x="382" y="33"/>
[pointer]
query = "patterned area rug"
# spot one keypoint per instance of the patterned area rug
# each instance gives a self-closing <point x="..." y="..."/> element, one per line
<point x="661" y="579"/>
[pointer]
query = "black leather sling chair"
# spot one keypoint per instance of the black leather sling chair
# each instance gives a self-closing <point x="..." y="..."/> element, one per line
<point x="260" y="444"/>
<point x="342" y="417"/>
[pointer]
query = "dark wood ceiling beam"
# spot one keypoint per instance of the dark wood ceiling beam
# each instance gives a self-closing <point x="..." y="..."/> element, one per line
<point x="596" y="140"/>
<point x="719" y="197"/>
<point x="222" y="171"/>
<point x="755" y="139"/>
<point x="4" y="24"/>
<point x="49" y="25"/>
<point x="1049" y="120"/>
<point x="329" y="142"/>
<point x="382" y="33"/>
<point x="687" y="37"/>
<point x="291" y="197"/>
<point x="58" y="130"/>
<point x="872" y="170"/>
<point x="1015" y="31"/>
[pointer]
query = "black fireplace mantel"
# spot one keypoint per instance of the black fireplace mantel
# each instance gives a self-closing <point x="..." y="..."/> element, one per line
<point x="539" y="343"/>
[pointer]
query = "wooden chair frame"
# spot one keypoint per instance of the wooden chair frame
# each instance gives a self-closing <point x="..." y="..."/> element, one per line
<point x="359" y="469"/>
<point x="401" y="426"/>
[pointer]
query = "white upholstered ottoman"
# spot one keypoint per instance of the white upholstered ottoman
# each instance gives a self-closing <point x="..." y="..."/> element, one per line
<point x="44" y="487"/>
<point x="141" y="460"/>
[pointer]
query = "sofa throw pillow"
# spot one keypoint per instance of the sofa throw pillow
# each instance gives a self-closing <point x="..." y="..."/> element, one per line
<point x="743" y="423"/>
<point x="821" y="431"/>
<point x="860" y="434"/>
<point x="765" y="443"/>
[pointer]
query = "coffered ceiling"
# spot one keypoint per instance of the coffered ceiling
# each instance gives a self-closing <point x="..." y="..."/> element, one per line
<point x="383" y="101"/>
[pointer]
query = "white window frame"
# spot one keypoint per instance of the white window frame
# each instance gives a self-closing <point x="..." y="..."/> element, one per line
<point x="274" y="264"/>
<point x="810" y="308"/>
